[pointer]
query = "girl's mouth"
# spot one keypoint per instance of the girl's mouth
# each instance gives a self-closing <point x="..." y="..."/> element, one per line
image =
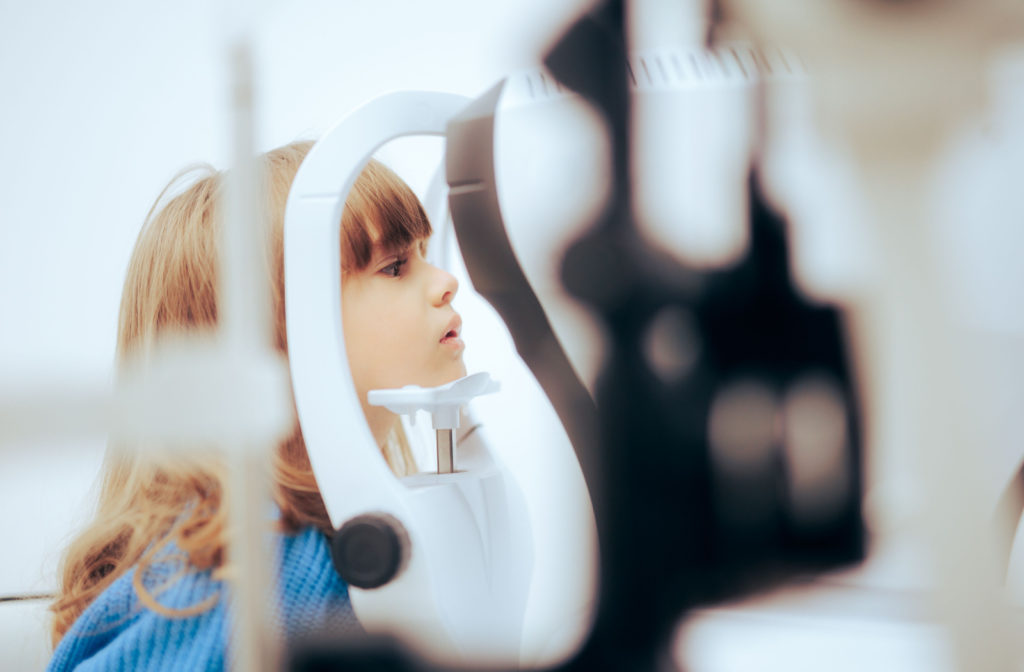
<point x="451" y="334"/>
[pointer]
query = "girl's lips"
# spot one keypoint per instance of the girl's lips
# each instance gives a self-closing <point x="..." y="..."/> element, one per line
<point x="452" y="330"/>
<point x="453" y="342"/>
<point x="451" y="338"/>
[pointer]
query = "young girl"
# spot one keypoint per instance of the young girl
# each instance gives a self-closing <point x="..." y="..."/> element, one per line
<point x="142" y="587"/>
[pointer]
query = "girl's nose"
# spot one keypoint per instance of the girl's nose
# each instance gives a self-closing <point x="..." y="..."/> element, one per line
<point x="445" y="286"/>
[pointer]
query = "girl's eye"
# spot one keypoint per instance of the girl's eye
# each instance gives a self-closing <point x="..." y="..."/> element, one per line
<point x="394" y="269"/>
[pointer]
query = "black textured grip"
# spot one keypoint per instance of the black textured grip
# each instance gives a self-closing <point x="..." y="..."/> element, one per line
<point x="369" y="550"/>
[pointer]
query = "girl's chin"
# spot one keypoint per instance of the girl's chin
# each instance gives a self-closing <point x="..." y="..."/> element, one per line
<point x="454" y="372"/>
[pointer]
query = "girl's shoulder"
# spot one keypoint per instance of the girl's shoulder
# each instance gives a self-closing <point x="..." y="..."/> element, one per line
<point x="189" y="628"/>
<point x="119" y="632"/>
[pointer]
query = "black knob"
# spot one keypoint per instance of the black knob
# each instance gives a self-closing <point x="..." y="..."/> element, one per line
<point x="369" y="550"/>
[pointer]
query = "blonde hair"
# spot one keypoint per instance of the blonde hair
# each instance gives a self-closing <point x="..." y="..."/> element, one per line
<point x="147" y="502"/>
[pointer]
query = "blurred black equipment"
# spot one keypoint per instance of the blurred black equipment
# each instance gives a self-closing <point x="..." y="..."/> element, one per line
<point x="728" y="457"/>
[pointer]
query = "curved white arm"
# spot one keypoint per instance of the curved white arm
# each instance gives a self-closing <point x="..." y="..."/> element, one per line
<point x="462" y="592"/>
<point x="341" y="448"/>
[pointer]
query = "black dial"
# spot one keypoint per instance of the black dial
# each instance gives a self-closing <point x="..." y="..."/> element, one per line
<point x="369" y="550"/>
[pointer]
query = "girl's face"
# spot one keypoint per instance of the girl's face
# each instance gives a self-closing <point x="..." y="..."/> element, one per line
<point x="400" y="327"/>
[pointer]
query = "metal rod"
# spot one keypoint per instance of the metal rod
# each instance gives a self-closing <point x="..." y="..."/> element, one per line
<point x="245" y="331"/>
<point x="254" y="645"/>
<point x="445" y="451"/>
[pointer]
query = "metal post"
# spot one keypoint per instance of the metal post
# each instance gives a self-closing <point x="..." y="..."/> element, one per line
<point x="445" y="451"/>
<point x="245" y="333"/>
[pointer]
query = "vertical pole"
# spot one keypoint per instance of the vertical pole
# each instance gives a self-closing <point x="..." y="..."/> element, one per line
<point x="934" y="417"/>
<point x="445" y="451"/>
<point x="245" y="334"/>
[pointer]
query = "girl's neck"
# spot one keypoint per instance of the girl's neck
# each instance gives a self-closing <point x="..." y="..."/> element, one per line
<point x="381" y="422"/>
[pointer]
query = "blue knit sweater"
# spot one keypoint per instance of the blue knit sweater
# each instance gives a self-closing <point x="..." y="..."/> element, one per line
<point x="116" y="632"/>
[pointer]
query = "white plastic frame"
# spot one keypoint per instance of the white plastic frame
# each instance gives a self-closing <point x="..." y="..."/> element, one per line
<point x="341" y="448"/>
<point x="462" y="594"/>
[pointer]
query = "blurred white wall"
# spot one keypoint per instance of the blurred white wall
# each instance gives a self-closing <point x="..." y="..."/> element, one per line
<point x="103" y="104"/>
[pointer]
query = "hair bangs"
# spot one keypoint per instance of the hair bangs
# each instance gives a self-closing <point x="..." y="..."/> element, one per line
<point x="382" y="214"/>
